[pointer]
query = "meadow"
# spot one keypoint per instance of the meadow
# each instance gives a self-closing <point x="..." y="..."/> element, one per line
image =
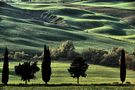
<point x="97" y="77"/>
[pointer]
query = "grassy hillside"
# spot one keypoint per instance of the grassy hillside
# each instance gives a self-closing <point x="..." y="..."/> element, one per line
<point x="22" y="28"/>
<point x="104" y="3"/>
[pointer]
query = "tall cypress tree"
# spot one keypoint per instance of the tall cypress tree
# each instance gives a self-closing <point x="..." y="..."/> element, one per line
<point x="5" y="71"/>
<point x="46" y="65"/>
<point x="122" y="67"/>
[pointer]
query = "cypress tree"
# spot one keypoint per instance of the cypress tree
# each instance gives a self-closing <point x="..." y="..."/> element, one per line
<point x="122" y="67"/>
<point x="46" y="65"/>
<point x="5" y="71"/>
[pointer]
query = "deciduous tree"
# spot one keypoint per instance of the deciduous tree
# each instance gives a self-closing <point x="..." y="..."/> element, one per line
<point x="78" y="68"/>
<point x="26" y="70"/>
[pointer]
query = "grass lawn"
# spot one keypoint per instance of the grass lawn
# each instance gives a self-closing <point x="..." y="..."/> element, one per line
<point x="97" y="75"/>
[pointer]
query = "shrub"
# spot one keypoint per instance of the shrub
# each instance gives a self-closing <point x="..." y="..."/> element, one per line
<point x="21" y="55"/>
<point x="65" y="51"/>
<point x="93" y="55"/>
<point x="130" y="61"/>
<point x="111" y="58"/>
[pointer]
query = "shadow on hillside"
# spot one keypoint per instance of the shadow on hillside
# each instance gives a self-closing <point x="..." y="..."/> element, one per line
<point x="55" y="85"/>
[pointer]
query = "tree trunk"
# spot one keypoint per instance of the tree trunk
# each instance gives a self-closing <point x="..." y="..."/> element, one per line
<point x="26" y="82"/>
<point x="78" y="80"/>
<point x="122" y="83"/>
<point x="5" y="83"/>
<point x="46" y="83"/>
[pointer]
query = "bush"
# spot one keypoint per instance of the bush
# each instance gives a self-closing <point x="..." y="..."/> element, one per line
<point x="21" y="55"/>
<point x="130" y="61"/>
<point x="65" y="51"/>
<point x="35" y="57"/>
<point x="93" y="55"/>
<point x="111" y="58"/>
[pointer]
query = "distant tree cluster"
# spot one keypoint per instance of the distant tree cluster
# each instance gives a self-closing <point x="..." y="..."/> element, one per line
<point x="66" y="51"/>
<point x="108" y="58"/>
<point x="93" y="55"/>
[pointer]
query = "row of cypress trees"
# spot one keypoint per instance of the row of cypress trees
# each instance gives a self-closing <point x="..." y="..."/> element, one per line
<point x="46" y="67"/>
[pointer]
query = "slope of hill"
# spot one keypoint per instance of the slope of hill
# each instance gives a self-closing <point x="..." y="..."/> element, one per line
<point x="26" y="26"/>
<point x="104" y="3"/>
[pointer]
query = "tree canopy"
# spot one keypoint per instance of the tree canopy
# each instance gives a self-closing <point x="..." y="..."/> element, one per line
<point x="26" y="70"/>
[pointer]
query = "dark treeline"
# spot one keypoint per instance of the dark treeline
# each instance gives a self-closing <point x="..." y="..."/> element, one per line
<point x="66" y="51"/>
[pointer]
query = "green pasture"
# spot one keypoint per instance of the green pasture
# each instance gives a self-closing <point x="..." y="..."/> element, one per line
<point x="98" y="78"/>
<point x="95" y="75"/>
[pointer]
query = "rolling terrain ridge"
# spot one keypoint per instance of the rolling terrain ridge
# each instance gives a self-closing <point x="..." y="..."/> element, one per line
<point x="28" y="26"/>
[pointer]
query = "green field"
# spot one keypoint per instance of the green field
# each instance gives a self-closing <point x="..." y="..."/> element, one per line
<point x="86" y="26"/>
<point x="97" y="75"/>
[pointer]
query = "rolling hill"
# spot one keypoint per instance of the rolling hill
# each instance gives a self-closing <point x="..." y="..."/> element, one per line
<point x="28" y="26"/>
